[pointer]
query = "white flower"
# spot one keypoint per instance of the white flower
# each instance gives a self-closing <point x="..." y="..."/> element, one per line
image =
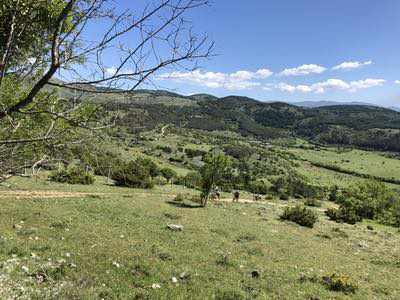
<point x="25" y="269"/>
<point x="155" y="286"/>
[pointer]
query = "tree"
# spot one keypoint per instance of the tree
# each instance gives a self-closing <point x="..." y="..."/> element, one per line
<point x="168" y="173"/>
<point x="215" y="169"/>
<point x="42" y="38"/>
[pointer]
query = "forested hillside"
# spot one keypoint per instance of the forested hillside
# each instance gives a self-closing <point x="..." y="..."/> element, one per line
<point x="353" y="125"/>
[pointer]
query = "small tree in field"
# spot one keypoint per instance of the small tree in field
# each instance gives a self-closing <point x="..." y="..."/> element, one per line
<point x="216" y="167"/>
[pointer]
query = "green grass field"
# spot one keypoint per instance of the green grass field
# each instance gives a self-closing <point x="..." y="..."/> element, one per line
<point x="363" y="162"/>
<point x="113" y="243"/>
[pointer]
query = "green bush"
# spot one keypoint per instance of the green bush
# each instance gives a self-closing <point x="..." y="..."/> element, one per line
<point x="300" y="215"/>
<point x="192" y="180"/>
<point x="369" y="200"/>
<point x="72" y="175"/>
<point x="340" y="283"/>
<point x="345" y="214"/>
<point x="169" y="173"/>
<point x="258" y="187"/>
<point x="135" y="174"/>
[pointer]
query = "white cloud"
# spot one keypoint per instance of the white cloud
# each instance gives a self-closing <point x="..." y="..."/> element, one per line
<point x="303" y="70"/>
<point x="397" y="82"/>
<point x="239" y="80"/>
<point x="365" y="84"/>
<point x="331" y="85"/>
<point x="284" y="87"/>
<point x="349" y="65"/>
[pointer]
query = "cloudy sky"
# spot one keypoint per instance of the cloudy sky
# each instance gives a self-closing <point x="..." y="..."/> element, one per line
<point x="296" y="50"/>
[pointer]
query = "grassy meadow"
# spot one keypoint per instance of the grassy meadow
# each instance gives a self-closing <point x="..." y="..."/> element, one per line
<point x="61" y="241"/>
<point x="113" y="243"/>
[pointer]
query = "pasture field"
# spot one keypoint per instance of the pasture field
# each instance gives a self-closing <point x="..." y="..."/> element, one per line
<point x="360" y="161"/>
<point x="104" y="242"/>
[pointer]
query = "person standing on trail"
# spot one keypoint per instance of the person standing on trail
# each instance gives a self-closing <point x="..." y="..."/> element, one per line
<point x="236" y="195"/>
<point x="217" y="193"/>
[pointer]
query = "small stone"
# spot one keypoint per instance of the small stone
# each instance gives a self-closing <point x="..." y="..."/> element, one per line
<point x="67" y="254"/>
<point x="72" y="265"/>
<point x="184" y="275"/>
<point x="363" y="244"/>
<point x="174" y="280"/>
<point x="175" y="227"/>
<point x="255" y="274"/>
<point x="155" y="286"/>
<point x="122" y="236"/>
<point x="116" y="264"/>
<point x="25" y="269"/>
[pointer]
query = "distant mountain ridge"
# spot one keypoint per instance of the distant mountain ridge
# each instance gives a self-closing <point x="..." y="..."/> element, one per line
<point x="312" y="104"/>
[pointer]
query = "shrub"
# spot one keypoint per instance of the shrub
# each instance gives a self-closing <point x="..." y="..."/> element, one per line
<point x="194" y="152"/>
<point x="345" y="214"/>
<point x="284" y="196"/>
<point x="72" y="175"/>
<point x="369" y="200"/>
<point x="300" y="215"/>
<point x="258" y="187"/>
<point x="192" y="180"/>
<point x="340" y="283"/>
<point x="150" y="165"/>
<point x="169" y="173"/>
<point x="133" y="174"/>
<point x="312" y="202"/>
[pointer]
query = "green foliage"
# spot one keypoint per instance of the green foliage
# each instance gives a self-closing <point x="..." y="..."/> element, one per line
<point x="340" y="283"/>
<point x="73" y="175"/>
<point x="369" y="200"/>
<point x="216" y="168"/>
<point x="300" y="215"/>
<point x="34" y="21"/>
<point x="259" y="187"/>
<point x="194" y="152"/>
<point x="135" y="174"/>
<point x="296" y="185"/>
<point x="345" y="214"/>
<point x="168" y="173"/>
<point x="192" y="180"/>
<point x="238" y="151"/>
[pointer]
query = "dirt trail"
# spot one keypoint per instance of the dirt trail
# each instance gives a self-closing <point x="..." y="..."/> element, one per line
<point x="43" y="194"/>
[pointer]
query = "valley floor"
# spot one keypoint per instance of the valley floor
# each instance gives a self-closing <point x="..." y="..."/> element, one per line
<point x="103" y="242"/>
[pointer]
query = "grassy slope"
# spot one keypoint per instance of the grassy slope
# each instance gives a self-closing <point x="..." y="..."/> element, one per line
<point x="364" y="162"/>
<point x="128" y="227"/>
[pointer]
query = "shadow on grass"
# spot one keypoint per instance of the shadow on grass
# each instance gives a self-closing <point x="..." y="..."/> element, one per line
<point x="185" y="204"/>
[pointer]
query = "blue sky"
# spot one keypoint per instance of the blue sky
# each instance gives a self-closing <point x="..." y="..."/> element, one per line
<point x="291" y="50"/>
<point x="310" y="39"/>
